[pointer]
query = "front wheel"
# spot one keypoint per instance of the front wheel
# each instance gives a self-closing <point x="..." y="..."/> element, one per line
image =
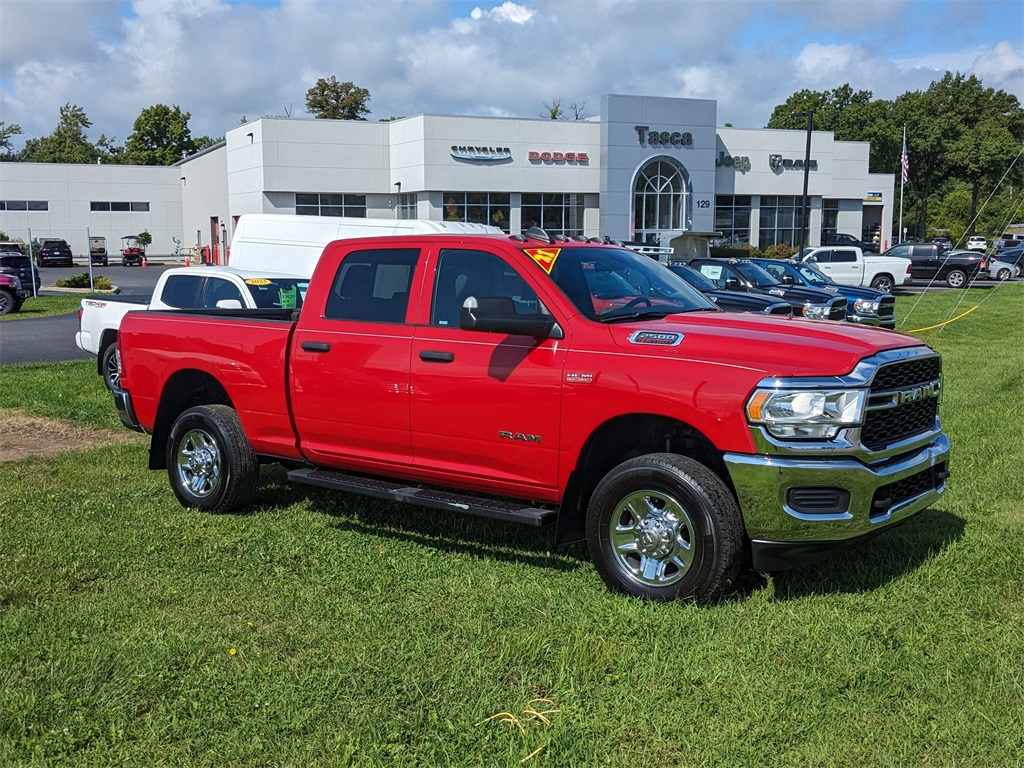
<point x="1004" y="274"/>
<point x="664" y="526"/>
<point x="210" y="463"/>
<point x="882" y="283"/>
<point x="8" y="303"/>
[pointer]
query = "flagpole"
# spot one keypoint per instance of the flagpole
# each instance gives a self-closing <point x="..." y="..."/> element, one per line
<point x="903" y="178"/>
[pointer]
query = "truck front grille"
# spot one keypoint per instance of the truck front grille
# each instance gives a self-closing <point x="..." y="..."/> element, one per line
<point x="904" y="402"/>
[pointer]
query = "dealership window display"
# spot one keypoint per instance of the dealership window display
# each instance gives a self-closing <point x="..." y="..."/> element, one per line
<point x="732" y="219"/>
<point x="406" y="208"/>
<point x="559" y="214"/>
<point x="478" y="208"/>
<point x="661" y="200"/>
<point x="779" y="217"/>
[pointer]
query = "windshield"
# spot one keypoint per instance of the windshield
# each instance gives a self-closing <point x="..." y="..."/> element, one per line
<point x="693" y="277"/>
<point x="812" y="275"/>
<point x="755" y="274"/>
<point x="607" y="284"/>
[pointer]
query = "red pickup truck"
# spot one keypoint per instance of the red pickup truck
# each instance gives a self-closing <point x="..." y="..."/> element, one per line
<point x="541" y="379"/>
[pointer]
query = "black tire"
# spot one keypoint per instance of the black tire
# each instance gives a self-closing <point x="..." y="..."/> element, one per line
<point x="956" y="278"/>
<point x="8" y="303"/>
<point x="108" y="367"/>
<point x="663" y="527"/>
<point x="210" y="463"/>
<point x="882" y="283"/>
<point x="1004" y="274"/>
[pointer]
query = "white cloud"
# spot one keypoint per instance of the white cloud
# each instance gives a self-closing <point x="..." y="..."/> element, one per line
<point x="510" y="12"/>
<point x="220" y="60"/>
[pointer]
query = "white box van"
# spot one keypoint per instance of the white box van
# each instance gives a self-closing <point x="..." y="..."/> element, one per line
<point x="282" y="242"/>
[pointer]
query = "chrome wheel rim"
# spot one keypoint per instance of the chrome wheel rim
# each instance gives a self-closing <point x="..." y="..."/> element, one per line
<point x="956" y="279"/>
<point x="112" y="370"/>
<point x="199" y="463"/>
<point x="883" y="285"/>
<point x="652" y="538"/>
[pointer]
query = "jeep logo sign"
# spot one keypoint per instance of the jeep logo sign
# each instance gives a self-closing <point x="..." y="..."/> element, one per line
<point x="778" y="162"/>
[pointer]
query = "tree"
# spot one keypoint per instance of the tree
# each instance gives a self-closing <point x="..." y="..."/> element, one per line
<point x="6" y="132"/>
<point x="553" y="109"/>
<point x="331" y="100"/>
<point x="67" y="143"/>
<point x="161" y="136"/>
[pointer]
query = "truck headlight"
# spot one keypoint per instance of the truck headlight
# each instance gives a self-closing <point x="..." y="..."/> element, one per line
<point x="816" y="311"/>
<point x="17" y="282"/>
<point x="807" y="413"/>
<point x="866" y="306"/>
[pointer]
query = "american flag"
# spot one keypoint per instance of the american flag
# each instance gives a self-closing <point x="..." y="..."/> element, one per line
<point x="905" y="162"/>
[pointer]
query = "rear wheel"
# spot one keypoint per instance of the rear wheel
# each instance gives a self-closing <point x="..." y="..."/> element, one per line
<point x="210" y="463"/>
<point x="664" y="526"/>
<point x="882" y="283"/>
<point x="1004" y="274"/>
<point x="108" y="365"/>
<point x="956" y="278"/>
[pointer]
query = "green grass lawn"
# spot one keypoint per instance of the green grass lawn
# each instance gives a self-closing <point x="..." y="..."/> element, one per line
<point x="327" y="629"/>
<point x="45" y="306"/>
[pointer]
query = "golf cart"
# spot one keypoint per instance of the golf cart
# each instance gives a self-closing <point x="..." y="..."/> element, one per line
<point x="132" y="251"/>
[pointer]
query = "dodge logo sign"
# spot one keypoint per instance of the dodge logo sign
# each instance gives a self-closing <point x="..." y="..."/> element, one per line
<point x="557" y="157"/>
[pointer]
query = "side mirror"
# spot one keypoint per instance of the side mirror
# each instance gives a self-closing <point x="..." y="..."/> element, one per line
<point x="497" y="314"/>
<point x="787" y="279"/>
<point x="732" y="284"/>
<point x="229" y="304"/>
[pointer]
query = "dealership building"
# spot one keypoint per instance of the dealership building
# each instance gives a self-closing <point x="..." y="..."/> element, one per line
<point x="647" y="169"/>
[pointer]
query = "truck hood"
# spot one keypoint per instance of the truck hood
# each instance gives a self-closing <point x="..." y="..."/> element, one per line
<point x="777" y="346"/>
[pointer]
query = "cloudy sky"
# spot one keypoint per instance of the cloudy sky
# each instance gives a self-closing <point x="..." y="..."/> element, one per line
<point x="222" y="59"/>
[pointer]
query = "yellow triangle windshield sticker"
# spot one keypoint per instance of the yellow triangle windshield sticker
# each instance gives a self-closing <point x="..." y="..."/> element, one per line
<point x="545" y="257"/>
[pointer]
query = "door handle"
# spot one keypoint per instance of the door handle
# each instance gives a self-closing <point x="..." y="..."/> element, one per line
<point x="316" y="346"/>
<point x="437" y="357"/>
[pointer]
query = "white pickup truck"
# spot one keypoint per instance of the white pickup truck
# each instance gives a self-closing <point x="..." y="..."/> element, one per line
<point x="183" y="288"/>
<point x="850" y="266"/>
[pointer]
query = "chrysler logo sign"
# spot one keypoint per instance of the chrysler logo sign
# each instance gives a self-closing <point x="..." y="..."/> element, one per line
<point x="778" y="162"/>
<point x="482" y="154"/>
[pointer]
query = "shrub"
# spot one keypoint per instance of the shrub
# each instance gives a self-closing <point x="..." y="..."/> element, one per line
<point x="780" y="251"/>
<point x="99" y="282"/>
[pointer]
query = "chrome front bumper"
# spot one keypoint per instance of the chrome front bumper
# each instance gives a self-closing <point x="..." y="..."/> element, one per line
<point x="794" y="508"/>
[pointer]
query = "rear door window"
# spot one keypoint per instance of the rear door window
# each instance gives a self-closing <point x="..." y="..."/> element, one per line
<point x="373" y="286"/>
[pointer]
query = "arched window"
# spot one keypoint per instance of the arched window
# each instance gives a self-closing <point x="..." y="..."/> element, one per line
<point x="661" y="200"/>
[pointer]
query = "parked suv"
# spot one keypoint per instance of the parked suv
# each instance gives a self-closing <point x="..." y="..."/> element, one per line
<point x="929" y="262"/>
<point x="18" y="265"/>
<point x="976" y="243"/>
<point x="54" y="253"/>
<point x="12" y="295"/>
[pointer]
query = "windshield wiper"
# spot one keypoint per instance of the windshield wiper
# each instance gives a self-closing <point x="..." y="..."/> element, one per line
<point x="635" y="314"/>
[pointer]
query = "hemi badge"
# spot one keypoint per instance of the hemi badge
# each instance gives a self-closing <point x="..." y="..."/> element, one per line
<point x="656" y="339"/>
<point x="579" y="378"/>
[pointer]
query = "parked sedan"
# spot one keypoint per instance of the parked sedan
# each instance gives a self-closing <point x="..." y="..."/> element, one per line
<point x="732" y="301"/>
<point x="1015" y="258"/>
<point x="999" y="269"/>
<point x="864" y="305"/>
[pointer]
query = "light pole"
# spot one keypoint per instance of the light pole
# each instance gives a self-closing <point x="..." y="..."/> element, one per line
<point x="807" y="170"/>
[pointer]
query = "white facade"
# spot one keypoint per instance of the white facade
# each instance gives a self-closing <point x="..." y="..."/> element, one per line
<point x="646" y="169"/>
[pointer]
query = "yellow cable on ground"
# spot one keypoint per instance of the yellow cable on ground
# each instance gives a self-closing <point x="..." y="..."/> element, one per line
<point x="930" y="327"/>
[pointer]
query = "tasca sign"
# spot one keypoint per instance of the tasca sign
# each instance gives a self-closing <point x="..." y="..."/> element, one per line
<point x="780" y="163"/>
<point x="657" y="138"/>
